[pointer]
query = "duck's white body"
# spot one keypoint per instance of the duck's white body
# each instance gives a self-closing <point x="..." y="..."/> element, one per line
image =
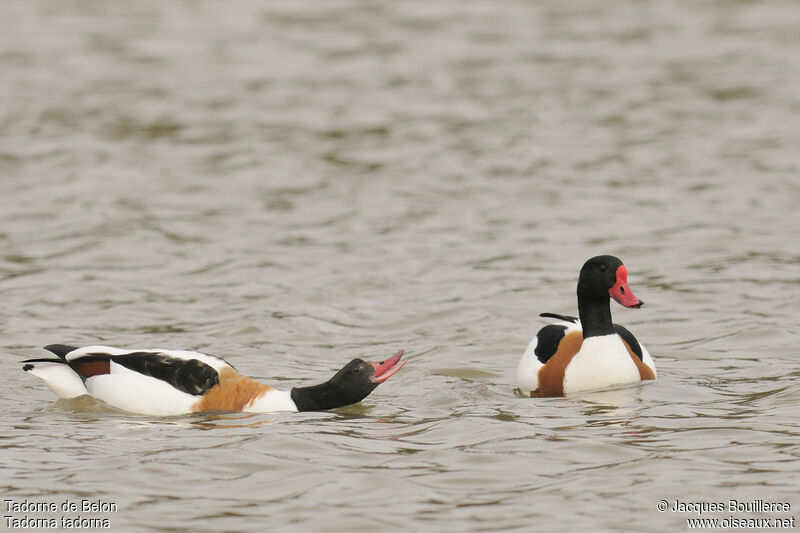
<point x="599" y="363"/>
<point x="136" y="392"/>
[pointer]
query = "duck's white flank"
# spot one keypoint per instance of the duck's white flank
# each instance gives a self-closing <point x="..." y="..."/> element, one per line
<point x="528" y="369"/>
<point x="134" y="392"/>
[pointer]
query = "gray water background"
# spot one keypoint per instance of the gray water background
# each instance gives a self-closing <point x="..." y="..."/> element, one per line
<point x="291" y="185"/>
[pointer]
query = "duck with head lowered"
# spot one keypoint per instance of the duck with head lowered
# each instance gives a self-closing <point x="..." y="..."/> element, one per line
<point x="173" y="382"/>
<point x="588" y="352"/>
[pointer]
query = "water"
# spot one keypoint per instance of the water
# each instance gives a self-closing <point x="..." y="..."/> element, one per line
<point x="291" y="185"/>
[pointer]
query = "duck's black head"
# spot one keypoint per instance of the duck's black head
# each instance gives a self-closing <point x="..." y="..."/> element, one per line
<point x="605" y="276"/>
<point x="349" y="385"/>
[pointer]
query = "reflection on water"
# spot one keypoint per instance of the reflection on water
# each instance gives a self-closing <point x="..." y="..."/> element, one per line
<point x="291" y="186"/>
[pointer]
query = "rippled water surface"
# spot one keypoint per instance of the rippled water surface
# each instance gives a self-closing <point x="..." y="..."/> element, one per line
<point x="294" y="184"/>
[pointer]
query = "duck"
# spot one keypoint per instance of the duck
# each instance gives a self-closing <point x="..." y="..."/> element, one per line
<point x="161" y="382"/>
<point x="587" y="352"/>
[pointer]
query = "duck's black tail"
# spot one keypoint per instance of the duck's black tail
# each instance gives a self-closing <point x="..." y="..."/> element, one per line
<point x="61" y="350"/>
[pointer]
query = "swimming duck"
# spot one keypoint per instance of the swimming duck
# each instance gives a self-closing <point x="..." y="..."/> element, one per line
<point x="588" y="352"/>
<point x="174" y="382"/>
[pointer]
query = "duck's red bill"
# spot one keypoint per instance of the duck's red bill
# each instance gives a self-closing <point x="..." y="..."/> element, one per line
<point x="621" y="292"/>
<point x="388" y="367"/>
